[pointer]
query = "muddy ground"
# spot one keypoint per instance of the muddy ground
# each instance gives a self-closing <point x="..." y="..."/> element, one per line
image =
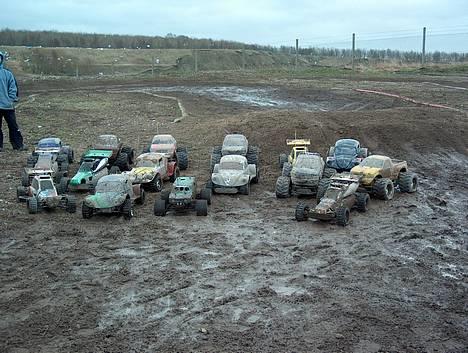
<point x="248" y="277"/>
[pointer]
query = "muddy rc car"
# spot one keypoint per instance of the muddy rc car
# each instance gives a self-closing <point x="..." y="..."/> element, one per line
<point x="234" y="144"/>
<point x="110" y="147"/>
<point x="152" y="169"/>
<point x="183" y="197"/>
<point x="52" y="145"/>
<point x="346" y="154"/>
<point x="340" y="197"/>
<point x="42" y="194"/>
<point x="298" y="146"/>
<point x="46" y="164"/>
<point x="233" y="174"/>
<point x="380" y="174"/>
<point x="303" y="177"/>
<point x="167" y="145"/>
<point x="113" y="194"/>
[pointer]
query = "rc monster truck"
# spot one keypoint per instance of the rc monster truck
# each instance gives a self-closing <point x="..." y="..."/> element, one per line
<point x="299" y="146"/>
<point x="340" y="197"/>
<point x="168" y="145"/>
<point x="235" y="144"/>
<point x="183" y="197"/>
<point x="303" y="178"/>
<point x="94" y="166"/>
<point x="233" y="174"/>
<point x="152" y="169"/>
<point x="346" y="154"/>
<point x="52" y="145"/>
<point x="113" y="194"/>
<point x="46" y="164"/>
<point x="110" y="146"/>
<point x="42" y="194"/>
<point x="380" y="174"/>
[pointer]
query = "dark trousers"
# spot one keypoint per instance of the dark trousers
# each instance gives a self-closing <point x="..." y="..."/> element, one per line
<point x="16" y="139"/>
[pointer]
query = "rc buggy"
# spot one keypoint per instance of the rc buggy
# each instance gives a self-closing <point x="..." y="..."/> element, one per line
<point x="167" y="145"/>
<point x="183" y="197"/>
<point x="235" y="144"/>
<point x="380" y="175"/>
<point x="233" y="174"/>
<point x="152" y="169"/>
<point x="46" y="164"/>
<point x="52" y="145"/>
<point x="113" y="194"/>
<point x="298" y="146"/>
<point x="42" y="194"/>
<point x="339" y="198"/>
<point x="346" y="154"/>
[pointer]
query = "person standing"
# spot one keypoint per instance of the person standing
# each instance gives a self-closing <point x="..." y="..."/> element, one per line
<point x="8" y="97"/>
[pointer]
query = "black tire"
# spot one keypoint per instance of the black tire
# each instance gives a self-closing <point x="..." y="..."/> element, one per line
<point x="363" y="153"/>
<point x="142" y="198"/>
<point x="256" y="178"/>
<point x="283" y="158"/>
<point x="215" y="158"/>
<point x="21" y="193"/>
<point x="62" y="157"/>
<point x="252" y="158"/>
<point x="174" y="175"/>
<point x="165" y="195"/>
<point x="181" y="149"/>
<point x="160" y="208"/>
<point x="383" y="189"/>
<point x="302" y="212"/>
<point x="245" y="189"/>
<point x="342" y="216"/>
<point x="328" y="172"/>
<point x="217" y="150"/>
<point x="31" y="161"/>
<point x="62" y="187"/>
<point x="122" y="161"/>
<point x="71" y="204"/>
<point x="130" y="153"/>
<point x="114" y="170"/>
<point x="58" y="176"/>
<point x="127" y="209"/>
<point x="201" y="207"/>
<point x="156" y="185"/>
<point x="70" y="155"/>
<point x="408" y="182"/>
<point x="287" y="167"/>
<point x="283" y="187"/>
<point x="25" y="179"/>
<point x="252" y="150"/>
<point x="86" y="211"/>
<point x="146" y="149"/>
<point x="362" y="201"/>
<point x="205" y="194"/>
<point x="182" y="160"/>
<point x="322" y="188"/>
<point x="33" y="205"/>
<point x="63" y="167"/>
<point x="209" y="185"/>
<point x="92" y="189"/>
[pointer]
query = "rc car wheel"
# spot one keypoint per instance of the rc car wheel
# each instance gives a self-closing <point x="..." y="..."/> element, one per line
<point x="130" y="153"/>
<point x="156" y="184"/>
<point x="217" y="150"/>
<point x="86" y="211"/>
<point x="114" y="170"/>
<point x="342" y="216"/>
<point x="63" y="185"/>
<point x="92" y="189"/>
<point x="33" y="206"/>
<point x="24" y="178"/>
<point x="363" y="153"/>
<point x="174" y="175"/>
<point x="302" y="212"/>
<point x="160" y="208"/>
<point x="283" y="158"/>
<point x="215" y="158"/>
<point x="384" y="189"/>
<point x="142" y="198"/>
<point x="287" y="167"/>
<point x="245" y="189"/>
<point x="70" y="155"/>
<point x="323" y="185"/>
<point x="127" y="209"/>
<point x="328" y="172"/>
<point x="205" y="194"/>
<point x="31" y="162"/>
<point x="408" y="182"/>
<point x="362" y="201"/>
<point x="182" y="160"/>
<point x="71" y="204"/>
<point x="209" y="185"/>
<point x="165" y="195"/>
<point x="21" y="192"/>
<point x="252" y="158"/>
<point x="122" y="161"/>
<point x="201" y="207"/>
<point x="283" y="187"/>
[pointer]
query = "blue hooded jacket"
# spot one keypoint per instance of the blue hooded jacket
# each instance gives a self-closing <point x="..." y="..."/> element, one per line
<point x="8" y="88"/>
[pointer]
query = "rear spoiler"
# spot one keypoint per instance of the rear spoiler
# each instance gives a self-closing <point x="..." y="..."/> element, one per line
<point x="297" y="142"/>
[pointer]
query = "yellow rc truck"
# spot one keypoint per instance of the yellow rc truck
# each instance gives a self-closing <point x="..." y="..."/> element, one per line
<point x="380" y="174"/>
<point x="299" y="146"/>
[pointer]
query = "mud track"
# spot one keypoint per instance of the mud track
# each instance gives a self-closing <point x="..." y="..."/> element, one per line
<point x="247" y="278"/>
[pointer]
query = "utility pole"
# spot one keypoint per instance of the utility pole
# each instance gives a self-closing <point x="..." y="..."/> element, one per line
<point x="297" y="51"/>
<point x="354" y="49"/>
<point x="423" y="57"/>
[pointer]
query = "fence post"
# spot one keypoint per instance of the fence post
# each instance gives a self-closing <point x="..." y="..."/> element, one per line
<point x="297" y="52"/>
<point x="354" y="49"/>
<point x="152" y="66"/>
<point x="423" y="57"/>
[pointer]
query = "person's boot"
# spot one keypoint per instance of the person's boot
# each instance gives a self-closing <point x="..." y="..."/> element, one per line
<point x="22" y="148"/>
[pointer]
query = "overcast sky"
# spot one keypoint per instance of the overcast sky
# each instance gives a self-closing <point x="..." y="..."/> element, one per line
<point x="275" y="22"/>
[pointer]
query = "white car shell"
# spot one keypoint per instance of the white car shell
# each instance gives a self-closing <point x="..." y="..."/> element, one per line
<point x="231" y="173"/>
